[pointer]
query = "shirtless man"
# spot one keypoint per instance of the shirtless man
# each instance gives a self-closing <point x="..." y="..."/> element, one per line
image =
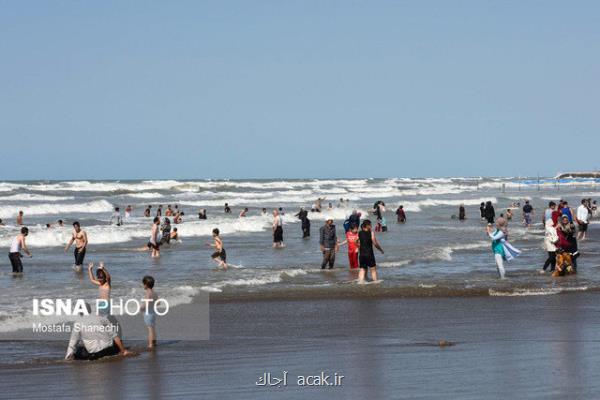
<point x="20" y="218"/>
<point x="155" y="235"/>
<point x="219" y="255"/>
<point x="244" y="212"/>
<point x="81" y="241"/>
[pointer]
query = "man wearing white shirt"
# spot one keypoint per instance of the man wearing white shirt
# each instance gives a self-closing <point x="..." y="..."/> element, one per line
<point x="583" y="215"/>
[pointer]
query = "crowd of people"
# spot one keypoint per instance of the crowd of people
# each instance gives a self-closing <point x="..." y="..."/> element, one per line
<point x="563" y="228"/>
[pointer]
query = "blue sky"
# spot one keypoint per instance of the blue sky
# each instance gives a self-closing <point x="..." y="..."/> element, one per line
<point x="258" y="89"/>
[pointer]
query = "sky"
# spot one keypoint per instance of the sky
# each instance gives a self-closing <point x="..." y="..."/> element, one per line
<point x="298" y="89"/>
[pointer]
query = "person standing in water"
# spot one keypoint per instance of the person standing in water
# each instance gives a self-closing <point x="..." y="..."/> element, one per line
<point x="500" y="247"/>
<point x="220" y="256"/>
<point x="527" y="214"/>
<point x="550" y="242"/>
<point x="582" y="217"/>
<point x="20" y="218"/>
<point x="147" y="211"/>
<point x="227" y="209"/>
<point x="116" y="217"/>
<point x="15" y="255"/>
<point x="277" y="230"/>
<point x="351" y="238"/>
<point x="303" y="217"/>
<point x="149" y="314"/>
<point x="489" y="213"/>
<point x="366" y="257"/>
<point x="155" y="236"/>
<point x="329" y="243"/>
<point x="401" y="214"/>
<point x="102" y="279"/>
<point x="461" y="213"/>
<point x="79" y="236"/>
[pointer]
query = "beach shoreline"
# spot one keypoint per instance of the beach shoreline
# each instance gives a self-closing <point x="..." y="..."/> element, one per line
<point x="387" y="348"/>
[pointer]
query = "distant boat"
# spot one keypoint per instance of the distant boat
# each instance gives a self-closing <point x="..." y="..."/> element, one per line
<point x="566" y="175"/>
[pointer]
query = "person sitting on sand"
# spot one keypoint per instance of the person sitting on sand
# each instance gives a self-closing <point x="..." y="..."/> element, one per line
<point x="366" y="257"/>
<point x="220" y="256"/>
<point x="93" y="337"/>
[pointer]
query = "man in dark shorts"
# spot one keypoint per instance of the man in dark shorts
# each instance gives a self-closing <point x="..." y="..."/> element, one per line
<point x="220" y="256"/>
<point x="277" y="229"/>
<point x="80" y="238"/>
<point x="14" y="255"/>
<point x="527" y="213"/>
<point x="366" y="256"/>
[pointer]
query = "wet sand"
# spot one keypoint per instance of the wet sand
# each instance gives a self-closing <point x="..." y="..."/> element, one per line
<point x="387" y="348"/>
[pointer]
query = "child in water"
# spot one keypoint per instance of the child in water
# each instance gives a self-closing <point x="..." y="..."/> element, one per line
<point x="219" y="255"/>
<point x="102" y="279"/>
<point x="149" y="314"/>
<point x="351" y="238"/>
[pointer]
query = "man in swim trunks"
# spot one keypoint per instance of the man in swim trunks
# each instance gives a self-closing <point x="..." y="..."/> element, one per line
<point x="366" y="257"/>
<point x="79" y="236"/>
<point x="220" y="256"/>
<point x="155" y="236"/>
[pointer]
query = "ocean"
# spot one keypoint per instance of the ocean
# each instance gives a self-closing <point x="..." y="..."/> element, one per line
<point x="431" y="255"/>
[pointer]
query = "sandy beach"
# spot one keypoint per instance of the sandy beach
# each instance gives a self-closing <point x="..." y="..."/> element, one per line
<point x="500" y="347"/>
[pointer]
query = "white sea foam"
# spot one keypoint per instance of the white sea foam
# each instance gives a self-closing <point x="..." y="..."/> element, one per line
<point x="33" y="197"/>
<point x="96" y="206"/>
<point x="416" y="206"/>
<point x="258" y="280"/>
<point x="535" y="291"/>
